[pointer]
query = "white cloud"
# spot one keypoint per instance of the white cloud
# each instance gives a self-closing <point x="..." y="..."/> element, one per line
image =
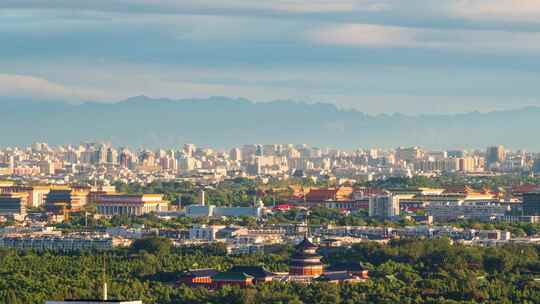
<point x="183" y="6"/>
<point x="14" y="85"/>
<point x="516" y="10"/>
<point x="483" y="41"/>
<point x="364" y="35"/>
<point x="503" y="10"/>
<point x="324" y="6"/>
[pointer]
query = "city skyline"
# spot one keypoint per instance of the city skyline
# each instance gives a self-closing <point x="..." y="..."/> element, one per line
<point x="279" y="151"/>
<point x="226" y="149"/>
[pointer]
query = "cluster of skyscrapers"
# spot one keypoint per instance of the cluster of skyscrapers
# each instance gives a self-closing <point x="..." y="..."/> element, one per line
<point x="102" y="163"/>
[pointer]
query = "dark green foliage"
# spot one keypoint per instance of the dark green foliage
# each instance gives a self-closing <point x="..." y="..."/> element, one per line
<point x="154" y="245"/>
<point x="405" y="271"/>
<point x="477" y="182"/>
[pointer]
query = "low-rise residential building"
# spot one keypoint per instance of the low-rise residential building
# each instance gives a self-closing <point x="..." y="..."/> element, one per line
<point x="460" y="210"/>
<point x="63" y="243"/>
<point x="196" y="211"/>
<point x="204" y="232"/>
<point x="349" y="205"/>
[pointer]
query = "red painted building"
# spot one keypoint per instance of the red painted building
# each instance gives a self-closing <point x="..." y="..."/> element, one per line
<point x="305" y="261"/>
<point x="198" y="277"/>
<point x="232" y="278"/>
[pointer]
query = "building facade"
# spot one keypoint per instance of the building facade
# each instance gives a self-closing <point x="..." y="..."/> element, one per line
<point x="73" y="199"/>
<point x="13" y="204"/>
<point x="136" y="205"/>
<point x="62" y="243"/>
<point x="305" y="261"/>
<point x="531" y="203"/>
<point x="384" y="206"/>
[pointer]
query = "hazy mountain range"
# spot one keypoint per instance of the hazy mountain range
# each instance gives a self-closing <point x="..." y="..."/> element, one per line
<point x="224" y="122"/>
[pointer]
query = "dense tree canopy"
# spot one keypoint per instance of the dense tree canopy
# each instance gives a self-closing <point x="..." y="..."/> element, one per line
<point x="406" y="271"/>
<point x="154" y="245"/>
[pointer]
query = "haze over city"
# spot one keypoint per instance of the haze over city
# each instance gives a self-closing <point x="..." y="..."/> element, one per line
<point x="279" y="151"/>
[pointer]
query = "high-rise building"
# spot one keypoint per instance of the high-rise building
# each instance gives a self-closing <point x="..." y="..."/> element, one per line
<point x="112" y="156"/>
<point x="187" y="163"/>
<point x="269" y="150"/>
<point x="536" y="166"/>
<point x="126" y="159"/>
<point x="11" y="163"/>
<point x="409" y="154"/>
<point x="189" y="149"/>
<point x="46" y="167"/>
<point x="495" y="154"/>
<point x="101" y="155"/>
<point x="248" y="151"/>
<point x="259" y="150"/>
<point x="235" y="154"/>
<point x="455" y="153"/>
<point x="467" y="164"/>
<point x="71" y="156"/>
<point x="384" y="206"/>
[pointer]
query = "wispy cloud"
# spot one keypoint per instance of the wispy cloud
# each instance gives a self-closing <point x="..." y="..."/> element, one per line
<point x="503" y="10"/>
<point x="202" y="6"/>
<point x="14" y="85"/>
<point x="378" y="11"/>
<point x="344" y="51"/>
<point x="483" y="41"/>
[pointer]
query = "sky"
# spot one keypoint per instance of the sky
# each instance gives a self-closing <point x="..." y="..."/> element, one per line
<point x="386" y="56"/>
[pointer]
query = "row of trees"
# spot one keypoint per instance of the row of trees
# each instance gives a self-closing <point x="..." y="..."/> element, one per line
<point x="477" y="182"/>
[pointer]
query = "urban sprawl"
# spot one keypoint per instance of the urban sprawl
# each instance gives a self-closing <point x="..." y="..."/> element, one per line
<point x="253" y="198"/>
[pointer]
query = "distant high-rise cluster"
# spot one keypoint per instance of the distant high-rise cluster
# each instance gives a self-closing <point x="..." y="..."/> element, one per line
<point x="103" y="163"/>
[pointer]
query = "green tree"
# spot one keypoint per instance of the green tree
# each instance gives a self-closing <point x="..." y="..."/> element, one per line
<point x="154" y="245"/>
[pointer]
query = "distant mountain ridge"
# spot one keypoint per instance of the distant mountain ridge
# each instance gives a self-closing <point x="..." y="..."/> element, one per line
<point x="225" y="122"/>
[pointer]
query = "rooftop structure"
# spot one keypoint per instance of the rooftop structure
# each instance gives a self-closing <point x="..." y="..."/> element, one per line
<point x="13" y="204"/>
<point x="240" y="279"/>
<point x="305" y="261"/>
<point x="195" y="277"/>
<point x="72" y="199"/>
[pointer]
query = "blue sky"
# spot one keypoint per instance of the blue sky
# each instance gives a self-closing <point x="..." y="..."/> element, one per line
<point x="414" y="56"/>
